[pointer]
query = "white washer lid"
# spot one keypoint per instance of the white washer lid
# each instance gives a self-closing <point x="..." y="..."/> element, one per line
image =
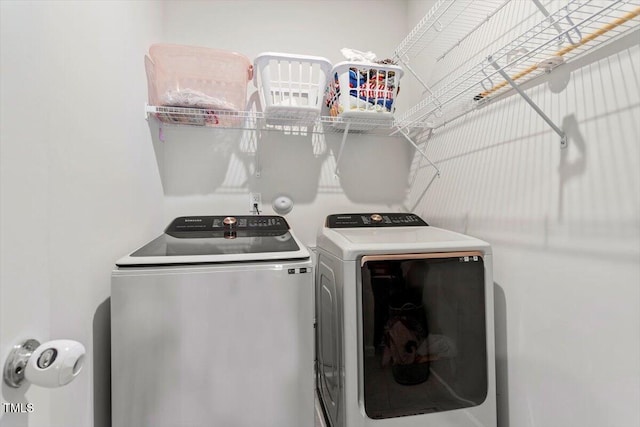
<point x="219" y="239"/>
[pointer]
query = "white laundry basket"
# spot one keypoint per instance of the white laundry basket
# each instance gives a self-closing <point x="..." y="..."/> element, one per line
<point x="363" y="90"/>
<point x="291" y="87"/>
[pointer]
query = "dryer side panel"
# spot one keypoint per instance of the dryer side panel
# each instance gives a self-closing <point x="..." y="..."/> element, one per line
<point x="329" y="336"/>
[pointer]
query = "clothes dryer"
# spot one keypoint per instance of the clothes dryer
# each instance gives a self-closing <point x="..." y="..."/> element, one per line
<point x="404" y="332"/>
<point x="212" y="325"/>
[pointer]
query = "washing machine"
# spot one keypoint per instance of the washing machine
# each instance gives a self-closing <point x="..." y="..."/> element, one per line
<point x="404" y="334"/>
<point x="212" y="325"/>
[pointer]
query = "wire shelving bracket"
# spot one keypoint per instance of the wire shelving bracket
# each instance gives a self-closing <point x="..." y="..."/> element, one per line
<point x="556" y="38"/>
<point x="344" y="139"/>
<point x="406" y="136"/>
<point x="560" y="132"/>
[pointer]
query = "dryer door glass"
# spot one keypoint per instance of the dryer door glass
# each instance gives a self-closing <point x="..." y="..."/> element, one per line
<point x="423" y="333"/>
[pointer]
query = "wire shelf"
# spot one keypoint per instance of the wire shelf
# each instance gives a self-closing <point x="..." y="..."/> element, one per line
<point x="182" y="116"/>
<point x="564" y="35"/>
<point x="458" y="18"/>
<point x="256" y="120"/>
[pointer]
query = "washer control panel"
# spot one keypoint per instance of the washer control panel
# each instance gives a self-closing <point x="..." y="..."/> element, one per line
<point x="248" y="225"/>
<point x="360" y="220"/>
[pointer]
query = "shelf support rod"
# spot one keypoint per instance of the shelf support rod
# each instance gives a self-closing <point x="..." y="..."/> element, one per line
<point x="557" y="26"/>
<point x="344" y="139"/>
<point x="406" y="136"/>
<point x="424" y="85"/>
<point x="560" y="132"/>
<point x="257" y="134"/>
<point x="546" y="13"/>
<point x="258" y="166"/>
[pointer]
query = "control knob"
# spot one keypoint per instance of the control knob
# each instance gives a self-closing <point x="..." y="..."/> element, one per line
<point x="376" y="218"/>
<point x="230" y="222"/>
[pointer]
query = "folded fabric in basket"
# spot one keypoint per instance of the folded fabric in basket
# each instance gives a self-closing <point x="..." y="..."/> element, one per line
<point x="189" y="98"/>
<point x="372" y="86"/>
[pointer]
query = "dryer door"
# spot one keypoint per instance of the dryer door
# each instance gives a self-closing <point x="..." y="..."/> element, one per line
<point x="429" y="350"/>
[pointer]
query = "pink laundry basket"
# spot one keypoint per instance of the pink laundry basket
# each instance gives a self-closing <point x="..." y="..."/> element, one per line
<point x="197" y="85"/>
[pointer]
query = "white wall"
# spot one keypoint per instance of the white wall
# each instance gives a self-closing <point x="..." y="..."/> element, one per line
<point x="78" y="186"/>
<point x="565" y="228"/>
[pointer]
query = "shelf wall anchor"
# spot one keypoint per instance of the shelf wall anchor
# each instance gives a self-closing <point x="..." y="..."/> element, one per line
<point x="560" y="132"/>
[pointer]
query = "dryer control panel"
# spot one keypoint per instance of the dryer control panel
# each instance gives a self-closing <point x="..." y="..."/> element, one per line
<point x="360" y="220"/>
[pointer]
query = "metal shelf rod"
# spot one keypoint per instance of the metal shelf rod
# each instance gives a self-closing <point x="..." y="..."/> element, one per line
<point x="344" y="139"/>
<point x="546" y="13"/>
<point x="419" y="150"/>
<point x="563" y="136"/>
<point x="417" y="77"/>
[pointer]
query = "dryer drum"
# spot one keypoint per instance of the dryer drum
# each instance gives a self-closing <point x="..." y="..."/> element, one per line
<point x="405" y="332"/>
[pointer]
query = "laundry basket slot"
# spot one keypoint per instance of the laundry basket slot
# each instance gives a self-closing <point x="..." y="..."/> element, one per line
<point x="291" y="87"/>
<point x="372" y="90"/>
<point x="205" y="81"/>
